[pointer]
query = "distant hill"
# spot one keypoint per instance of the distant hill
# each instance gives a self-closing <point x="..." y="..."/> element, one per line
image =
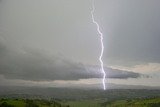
<point x="76" y="94"/>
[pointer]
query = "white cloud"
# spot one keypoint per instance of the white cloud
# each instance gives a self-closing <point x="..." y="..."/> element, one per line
<point x="141" y="68"/>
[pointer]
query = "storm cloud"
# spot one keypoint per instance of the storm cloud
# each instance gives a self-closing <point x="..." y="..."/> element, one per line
<point x="34" y="65"/>
<point x="56" y="40"/>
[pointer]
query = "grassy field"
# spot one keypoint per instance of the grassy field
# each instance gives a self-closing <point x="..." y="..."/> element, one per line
<point x="85" y="103"/>
<point x="29" y="103"/>
<point x="16" y="103"/>
<point x="152" y="102"/>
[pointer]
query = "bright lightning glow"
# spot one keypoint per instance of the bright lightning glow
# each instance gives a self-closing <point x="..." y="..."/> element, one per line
<point x="102" y="46"/>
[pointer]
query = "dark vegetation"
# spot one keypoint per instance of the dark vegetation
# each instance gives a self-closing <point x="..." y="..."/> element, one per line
<point x="30" y="103"/>
<point x="5" y="104"/>
<point x="143" y="102"/>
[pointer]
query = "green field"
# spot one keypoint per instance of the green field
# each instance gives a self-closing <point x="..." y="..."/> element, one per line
<point x="29" y="103"/>
<point x="152" y="102"/>
<point x="85" y="103"/>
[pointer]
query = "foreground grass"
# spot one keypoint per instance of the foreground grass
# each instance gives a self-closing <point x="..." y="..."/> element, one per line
<point x="11" y="102"/>
<point x="29" y="103"/>
<point x="152" y="102"/>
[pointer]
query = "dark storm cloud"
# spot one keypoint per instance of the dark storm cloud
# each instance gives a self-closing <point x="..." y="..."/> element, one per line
<point x="115" y="73"/>
<point x="29" y="64"/>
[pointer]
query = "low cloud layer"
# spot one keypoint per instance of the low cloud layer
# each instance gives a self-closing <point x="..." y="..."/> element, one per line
<point x="34" y="65"/>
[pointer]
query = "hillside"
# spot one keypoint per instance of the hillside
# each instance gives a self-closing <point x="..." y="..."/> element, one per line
<point x="150" y="102"/>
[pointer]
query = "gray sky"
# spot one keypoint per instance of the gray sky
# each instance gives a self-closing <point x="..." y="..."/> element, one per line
<point x="56" y="39"/>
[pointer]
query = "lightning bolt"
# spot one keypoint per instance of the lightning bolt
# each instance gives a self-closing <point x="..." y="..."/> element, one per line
<point x="102" y="45"/>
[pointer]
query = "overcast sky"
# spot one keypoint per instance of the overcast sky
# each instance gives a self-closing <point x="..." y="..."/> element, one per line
<point x="47" y="40"/>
